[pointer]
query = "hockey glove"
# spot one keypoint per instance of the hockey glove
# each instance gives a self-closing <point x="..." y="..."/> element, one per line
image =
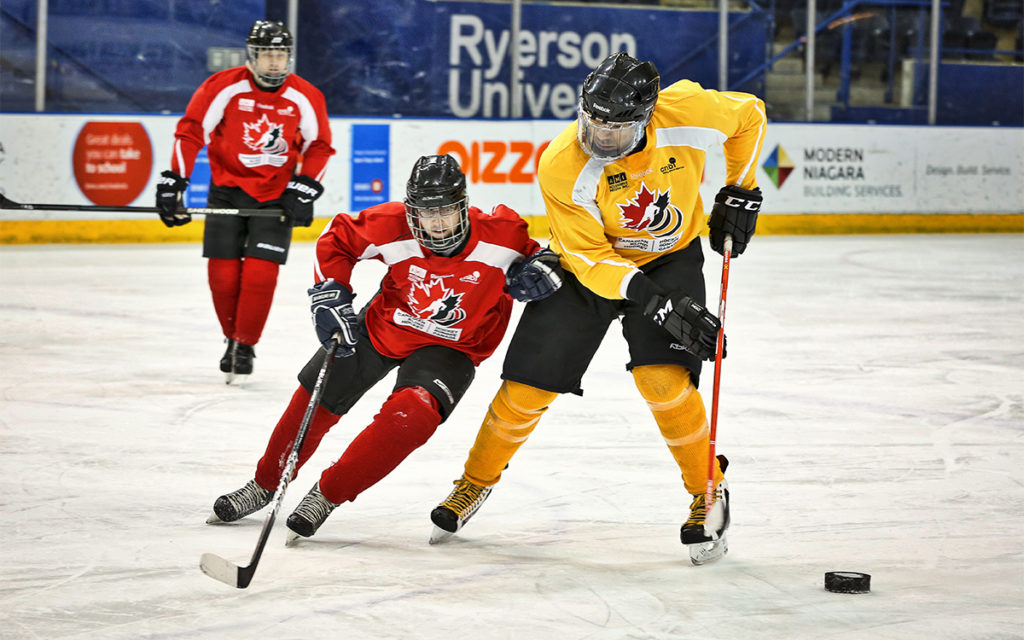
<point x="734" y="214"/>
<point x="330" y="304"/>
<point x="535" y="278"/>
<point x="169" y="188"/>
<point x="297" y="200"/>
<point x="687" y="321"/>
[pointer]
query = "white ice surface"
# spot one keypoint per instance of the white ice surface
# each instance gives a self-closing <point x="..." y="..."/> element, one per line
<point x="872" y="408"/>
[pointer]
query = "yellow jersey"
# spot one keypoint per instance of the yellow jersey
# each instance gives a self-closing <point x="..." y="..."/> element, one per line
<point x="607" y="219"/>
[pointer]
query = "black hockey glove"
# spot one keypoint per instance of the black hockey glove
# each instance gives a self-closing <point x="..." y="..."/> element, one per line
<point x="692" y="325"/>
<point x="330" y="304"/>
<point x="169" y="188"/>
<point x="297" y="200"/>
<point x="734" y="214"/>
<point x="535" y="278"/>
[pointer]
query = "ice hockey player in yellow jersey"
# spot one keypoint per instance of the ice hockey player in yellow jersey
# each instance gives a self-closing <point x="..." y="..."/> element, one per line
<point x="620" y="185"/>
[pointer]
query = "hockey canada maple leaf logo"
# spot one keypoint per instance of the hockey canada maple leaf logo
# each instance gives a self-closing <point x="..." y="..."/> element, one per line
<point x="651" y="211"/>
<point x="435" y="302"/>
<point x="265" y="136"/>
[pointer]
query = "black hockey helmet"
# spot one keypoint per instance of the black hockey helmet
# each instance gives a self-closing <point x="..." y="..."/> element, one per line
<point x="615" y="105"/>
<point x="436" y="205"/>
<point x="268" y="36"/>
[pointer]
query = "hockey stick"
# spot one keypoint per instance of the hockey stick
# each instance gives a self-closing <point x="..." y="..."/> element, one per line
<point x="709" y="496"/>
<point x="230" y="573"/>
<point x="7" y="203"/>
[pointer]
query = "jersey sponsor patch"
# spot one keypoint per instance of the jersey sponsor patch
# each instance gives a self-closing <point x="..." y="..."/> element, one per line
<point x="260" y="159"/>
<point x="671" y="166"/>
<point x="617" y="181"/>
<point x="651" y="245"/>
<point x="404" y="319"/>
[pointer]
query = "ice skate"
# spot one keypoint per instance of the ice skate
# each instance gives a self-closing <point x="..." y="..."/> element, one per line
<point x="242" y="367"/>
<point x="309" y="515"/>
<point x="704" y="533"/>
<point x="460" y="505"/>
<point x="227" y="361"/>
<point x="238" y="504"/>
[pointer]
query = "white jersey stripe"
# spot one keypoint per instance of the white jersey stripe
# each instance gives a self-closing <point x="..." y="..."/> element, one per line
<point x="308" y="125"/>
<point x="696" y="137"/>
<point x="584" y="191"/>
<point x="493" y="255"/>
<point x="215" y="113"/>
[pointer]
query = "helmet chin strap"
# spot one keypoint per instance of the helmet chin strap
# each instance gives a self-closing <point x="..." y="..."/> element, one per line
<point x="457" y="249"/>
<point x="260" y="82"/>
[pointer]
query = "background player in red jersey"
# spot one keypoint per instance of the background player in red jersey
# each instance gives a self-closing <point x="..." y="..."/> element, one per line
<point x="442" y="309"/>
<point x="268" y="140"/>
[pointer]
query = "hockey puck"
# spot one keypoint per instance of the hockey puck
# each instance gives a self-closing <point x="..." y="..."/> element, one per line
<point x="847" y="582"/>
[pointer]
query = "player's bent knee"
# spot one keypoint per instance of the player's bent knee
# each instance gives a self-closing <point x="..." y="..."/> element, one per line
<point x="417" y="398"/>
<point x="523" y="399"/>
<point x="663" y="385"/>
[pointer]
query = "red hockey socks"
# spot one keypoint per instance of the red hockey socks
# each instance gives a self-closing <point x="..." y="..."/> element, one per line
<point x="268" y="471"/>
<point x="259" y="279"/>
<point x="407" y="419"/>
<point x="225" y="278"/>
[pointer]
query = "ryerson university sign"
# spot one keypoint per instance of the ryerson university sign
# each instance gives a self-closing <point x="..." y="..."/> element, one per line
<point x="476" y="56"/>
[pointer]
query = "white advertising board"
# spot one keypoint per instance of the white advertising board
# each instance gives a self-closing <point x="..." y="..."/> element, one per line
<point x="804" y="168"/>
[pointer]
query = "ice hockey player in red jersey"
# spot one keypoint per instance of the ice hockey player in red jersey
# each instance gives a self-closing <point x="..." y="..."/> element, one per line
<point x="268" y="140"/>
<point x="442" y="308"/>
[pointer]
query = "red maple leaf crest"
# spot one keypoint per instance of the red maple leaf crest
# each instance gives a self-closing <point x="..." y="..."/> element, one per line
<point x="636" y="212"/>
<point x="436" y="302"/>
<point x="264" y="135"/>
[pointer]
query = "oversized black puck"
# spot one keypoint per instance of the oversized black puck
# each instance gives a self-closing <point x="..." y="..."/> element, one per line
<point x="847" y="582"/>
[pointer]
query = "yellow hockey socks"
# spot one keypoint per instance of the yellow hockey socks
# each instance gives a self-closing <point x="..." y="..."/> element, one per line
<point x="513" y="413"/>
<point x="679" y="411"/>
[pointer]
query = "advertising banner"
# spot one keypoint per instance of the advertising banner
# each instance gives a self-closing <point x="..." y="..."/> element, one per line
<point x="453" y="59"/>
<point x="803" y="169"/>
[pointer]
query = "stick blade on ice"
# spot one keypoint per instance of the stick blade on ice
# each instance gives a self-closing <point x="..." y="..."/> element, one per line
<point x="227" y="572"/>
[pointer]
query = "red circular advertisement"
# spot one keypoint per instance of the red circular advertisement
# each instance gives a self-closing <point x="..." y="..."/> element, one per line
<point x="112" y="162"/>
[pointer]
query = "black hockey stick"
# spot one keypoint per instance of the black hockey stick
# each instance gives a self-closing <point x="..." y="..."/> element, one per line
<point x="7" y="203"/>
<point x="230" y="573"/>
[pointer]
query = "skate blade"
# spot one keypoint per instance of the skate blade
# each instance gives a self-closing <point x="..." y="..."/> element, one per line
<point x="439" y="535"/>
<point x="703" y="553"/>
<point x="238" y="379"/>
<point x="292" y="539"/>
<point x="213" y="518"/>
<point x="228" y="377"/>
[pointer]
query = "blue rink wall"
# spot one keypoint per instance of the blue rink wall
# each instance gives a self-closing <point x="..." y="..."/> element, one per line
<point x="816" y="178"/>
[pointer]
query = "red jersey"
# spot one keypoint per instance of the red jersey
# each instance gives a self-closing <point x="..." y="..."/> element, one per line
<point x="426" y="299"/>
<point x="254" y="137"/>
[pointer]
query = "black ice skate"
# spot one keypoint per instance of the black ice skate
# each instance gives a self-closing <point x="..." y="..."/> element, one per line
<point x="309" y="515"/>
<point x="227" y="361"/>
<point x="243" y="358"/>
<point x="704" y="533"/>
<point x="238" y="504"/>
<point x="460" y="505"/>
